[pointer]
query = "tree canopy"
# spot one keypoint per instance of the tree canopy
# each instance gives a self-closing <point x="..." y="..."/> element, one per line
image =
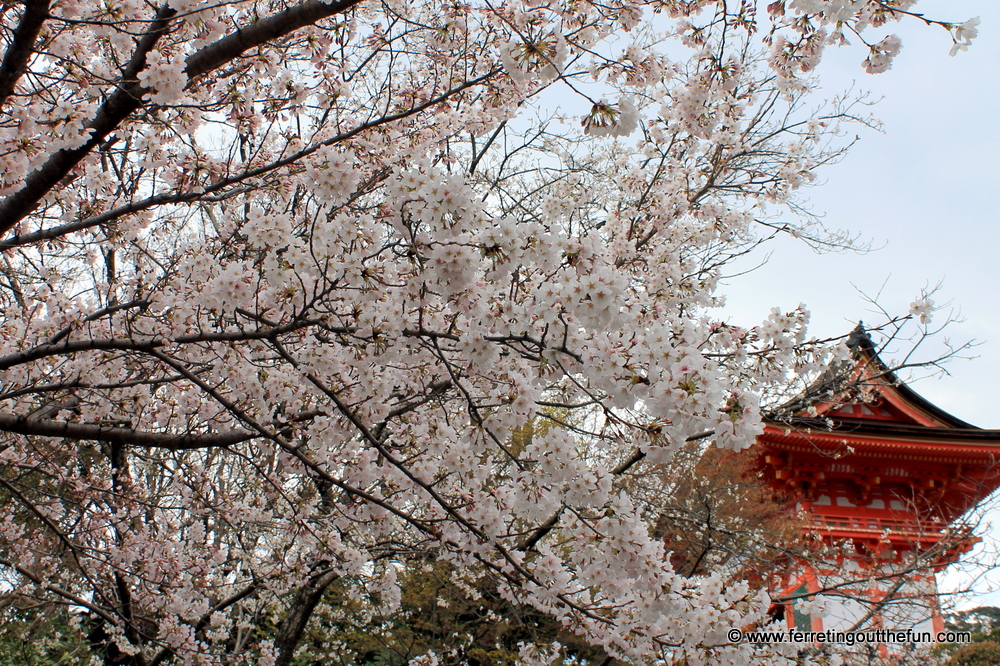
<point x="284" y="282"/>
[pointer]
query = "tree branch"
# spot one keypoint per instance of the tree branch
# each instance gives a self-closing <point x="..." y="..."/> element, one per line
<point x="22" y="46"/>
<point x="25" y="425"/>
<point x="128" y="97"/>
<point x="80" y="601"/>
<point x="552" y="522"/>
<point x="292" y="627"/>
<point x="150" y="344"/>
<point x="187" y="197"/>
<point x="236" y="44"/>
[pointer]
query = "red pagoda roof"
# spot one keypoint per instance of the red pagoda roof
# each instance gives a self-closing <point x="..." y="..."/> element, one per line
<point x="867" y="394"/>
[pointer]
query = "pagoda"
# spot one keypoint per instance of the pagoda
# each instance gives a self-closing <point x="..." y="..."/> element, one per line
<point x="881" y="478"/>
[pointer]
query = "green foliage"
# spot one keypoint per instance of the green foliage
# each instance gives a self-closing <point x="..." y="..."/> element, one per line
<point x="984" y="624"/>
<point x="42" y="637"/>
<point x="985" y="653"/>
<point x="461" y="621"/>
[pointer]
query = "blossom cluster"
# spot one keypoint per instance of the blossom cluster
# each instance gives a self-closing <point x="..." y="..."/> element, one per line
<point x="963" y="35"/>
<point x="164" y="76"/>
<point x="880" y="58"/>
<point x="923" y="309"/>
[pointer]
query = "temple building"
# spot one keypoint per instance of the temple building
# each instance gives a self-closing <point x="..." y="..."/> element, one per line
<point x="882" y="480"/>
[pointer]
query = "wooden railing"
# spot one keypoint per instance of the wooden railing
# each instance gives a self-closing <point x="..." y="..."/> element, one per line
<point x="875" y="524"/>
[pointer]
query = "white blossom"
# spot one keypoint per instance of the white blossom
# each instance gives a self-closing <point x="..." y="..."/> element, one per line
<point x="164" y="76"/>
<point x="922" y="309"/>
<point x="964" y="34"/>
<point x="880" y="58"/>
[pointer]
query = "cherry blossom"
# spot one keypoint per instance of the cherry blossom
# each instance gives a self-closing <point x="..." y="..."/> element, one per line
<point x="298" y="295"/>
<point x="963" y="35"/>
<point x="880" y="58"/>
<point x="923" y="309"/>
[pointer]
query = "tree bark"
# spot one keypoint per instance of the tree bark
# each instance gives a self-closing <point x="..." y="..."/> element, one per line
<point x="22" y="46"/>
<point x="128" y="97"/>
<point x="294" y="625"/>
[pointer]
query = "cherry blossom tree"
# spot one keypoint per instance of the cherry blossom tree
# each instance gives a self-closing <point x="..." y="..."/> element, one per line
<point x="283" y="280"/>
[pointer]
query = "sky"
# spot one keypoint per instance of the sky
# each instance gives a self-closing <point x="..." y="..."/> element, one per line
<point x="924" y="192"/>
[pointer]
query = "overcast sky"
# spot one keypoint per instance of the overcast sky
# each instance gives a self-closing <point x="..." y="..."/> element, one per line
<point x="925" y="191"/>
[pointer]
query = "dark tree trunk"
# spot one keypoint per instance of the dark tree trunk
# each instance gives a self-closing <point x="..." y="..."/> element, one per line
<point x="294" y="625"/>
